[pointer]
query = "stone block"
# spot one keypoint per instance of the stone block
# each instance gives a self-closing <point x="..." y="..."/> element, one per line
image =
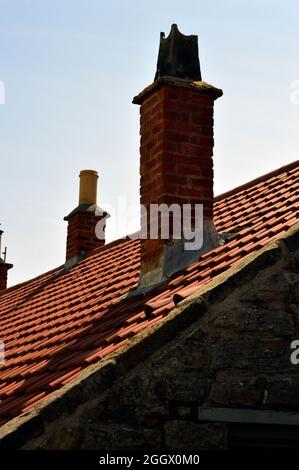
<point x="197" y="436"/>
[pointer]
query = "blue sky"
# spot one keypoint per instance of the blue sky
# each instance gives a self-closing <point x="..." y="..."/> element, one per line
<point x="71" y="69"/>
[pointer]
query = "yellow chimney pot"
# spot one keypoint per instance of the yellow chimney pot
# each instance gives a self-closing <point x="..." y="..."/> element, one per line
<point x="88" y="187"/>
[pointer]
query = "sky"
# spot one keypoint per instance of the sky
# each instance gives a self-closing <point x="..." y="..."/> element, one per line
<point x="70" y="69"/>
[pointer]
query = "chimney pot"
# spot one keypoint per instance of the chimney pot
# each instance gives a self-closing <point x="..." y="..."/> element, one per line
<point x="88" y="187"/>
<point x="178" y="56"/>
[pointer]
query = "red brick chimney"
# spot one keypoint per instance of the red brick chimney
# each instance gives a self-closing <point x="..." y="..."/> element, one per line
<point x="82" y="221"/>
<point x="176" y="152"/>
<point x="4" y="267"/>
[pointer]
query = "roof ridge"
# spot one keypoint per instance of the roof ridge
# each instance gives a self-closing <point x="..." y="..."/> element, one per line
<point x="35" y="278"/>
<point x="112" y="244"/>
<point x="259" y="179"/>
<point x="103" y="248"/>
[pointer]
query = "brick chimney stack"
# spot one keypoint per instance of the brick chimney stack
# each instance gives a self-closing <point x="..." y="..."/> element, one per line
<point x="176" y="152"/>
<point x="82" y="221"/>
<point x="4" y="267"/>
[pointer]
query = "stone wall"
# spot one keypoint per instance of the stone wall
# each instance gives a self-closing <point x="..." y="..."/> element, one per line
<point x="228" y="347"/>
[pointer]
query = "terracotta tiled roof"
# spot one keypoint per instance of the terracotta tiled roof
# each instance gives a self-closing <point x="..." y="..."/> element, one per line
<point x="56" y="325"/>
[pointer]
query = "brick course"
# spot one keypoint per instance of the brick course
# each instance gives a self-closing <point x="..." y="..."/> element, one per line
<point x="81" y="237"/>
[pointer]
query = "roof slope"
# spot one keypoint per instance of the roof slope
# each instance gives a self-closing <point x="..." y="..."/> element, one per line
<point x="56" y="325"/>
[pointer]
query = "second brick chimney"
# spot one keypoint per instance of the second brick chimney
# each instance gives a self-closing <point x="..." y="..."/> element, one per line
<point x="82" y="221"/>
<point x="176" y="152"/>
<point x="4" y="267"/>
